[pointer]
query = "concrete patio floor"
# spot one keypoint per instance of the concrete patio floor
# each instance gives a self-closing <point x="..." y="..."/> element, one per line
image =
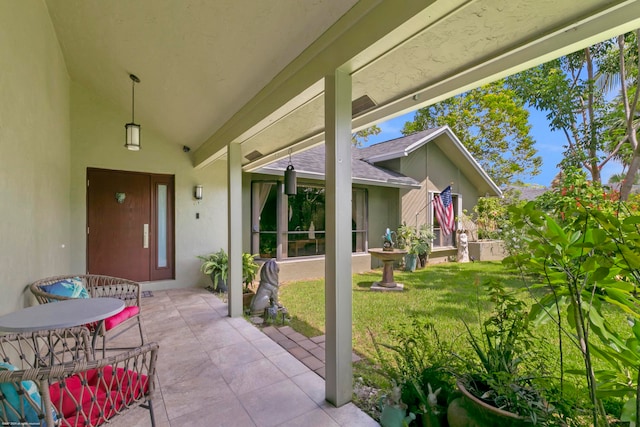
<point x="217" y="371"/>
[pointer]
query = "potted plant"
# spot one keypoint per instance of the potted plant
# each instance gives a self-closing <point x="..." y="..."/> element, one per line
<point x="500" y="385"/>
<point x="407" y="237"/>
<point x="249" y="271"/>
<point x="216" y="265"/>
<point x="425" y="236"/>
<point x="419" y="364"/>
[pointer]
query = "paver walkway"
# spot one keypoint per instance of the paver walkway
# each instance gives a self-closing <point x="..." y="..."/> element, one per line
<point x="214" y="370"/>
<point x="309" y="351"/>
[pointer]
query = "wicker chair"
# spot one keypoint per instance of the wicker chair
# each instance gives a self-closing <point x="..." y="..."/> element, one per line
<point x="57" y="381"/>
<point x="102" y="286"/>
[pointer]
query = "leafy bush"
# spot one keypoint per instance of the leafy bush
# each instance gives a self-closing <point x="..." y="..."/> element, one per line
<point x="420" y="364"/>
<point x="505" y="373"/>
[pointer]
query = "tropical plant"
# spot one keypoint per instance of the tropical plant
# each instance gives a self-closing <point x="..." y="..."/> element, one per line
<point x="504" y="373"/>
<point x="490" y="215"/>
<point x="215" y="265"/>
<point x="249" y="270"/>
<point x="587" y="260"/>
<point x="419" y="363"/>
<point x="414" y="241"/>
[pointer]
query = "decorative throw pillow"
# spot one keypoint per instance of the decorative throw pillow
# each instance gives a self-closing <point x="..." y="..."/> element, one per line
<point x="71" y="288"/>
<point x="12" y="398"/>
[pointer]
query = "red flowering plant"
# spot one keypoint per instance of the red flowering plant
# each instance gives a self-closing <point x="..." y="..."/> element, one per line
<point x="573" y="191"/>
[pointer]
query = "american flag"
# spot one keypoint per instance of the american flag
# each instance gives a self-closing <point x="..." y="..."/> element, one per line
<point x="444" y="210"/>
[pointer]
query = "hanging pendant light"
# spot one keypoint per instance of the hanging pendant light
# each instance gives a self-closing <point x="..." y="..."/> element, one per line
<point x="132" y="130"/>
<point x="290" y="184"/>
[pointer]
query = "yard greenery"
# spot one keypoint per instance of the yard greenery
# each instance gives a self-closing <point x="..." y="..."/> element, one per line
<point x="573" y="274"/>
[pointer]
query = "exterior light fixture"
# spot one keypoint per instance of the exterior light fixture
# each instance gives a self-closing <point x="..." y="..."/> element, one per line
<point x="290" y="185"/>
<point x="132" y="130"/>
<point x="197" y="192"/>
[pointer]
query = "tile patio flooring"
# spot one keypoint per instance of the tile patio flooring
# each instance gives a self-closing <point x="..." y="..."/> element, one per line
<point x="217" y="371"/>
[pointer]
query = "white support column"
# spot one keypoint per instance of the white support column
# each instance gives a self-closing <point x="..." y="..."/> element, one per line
<point x="234" y="201"/>
<point x="337" y="95"/>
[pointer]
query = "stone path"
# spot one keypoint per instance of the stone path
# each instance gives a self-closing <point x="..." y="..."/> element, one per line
<point x="309" y="351"/>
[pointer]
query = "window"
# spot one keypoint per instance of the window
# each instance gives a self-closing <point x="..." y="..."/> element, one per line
<point x="294" y="226"/>
<point x="440" y="240"/>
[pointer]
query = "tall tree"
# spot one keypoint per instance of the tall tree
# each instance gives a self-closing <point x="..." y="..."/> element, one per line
<point x="628" y="67"/>
<point x="493" y="125"/>
<point x="576" y="93"/>
<point x="362" y="136"/>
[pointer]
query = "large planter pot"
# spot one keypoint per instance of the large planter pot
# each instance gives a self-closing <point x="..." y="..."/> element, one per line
<point x="469" y="411"/>
<point x="410" y="262"/>
<point x="246" y="299"/>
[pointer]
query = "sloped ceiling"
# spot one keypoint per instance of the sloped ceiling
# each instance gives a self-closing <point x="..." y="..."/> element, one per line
<point x="250" y="71"/>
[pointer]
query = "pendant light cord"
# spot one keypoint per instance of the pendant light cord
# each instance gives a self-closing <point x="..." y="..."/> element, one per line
<point x="133" y="99"/>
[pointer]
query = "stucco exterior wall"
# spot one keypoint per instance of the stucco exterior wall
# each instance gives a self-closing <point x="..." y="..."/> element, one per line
<point x="97" y="134"/>
<point x="384" y="211"/>
<point x="34" y="164"/>
<point x="435" y="171"/>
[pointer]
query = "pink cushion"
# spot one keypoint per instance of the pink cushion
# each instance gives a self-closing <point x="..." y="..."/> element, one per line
<point x="98" y="397"/>
<point x="116" y="319"/>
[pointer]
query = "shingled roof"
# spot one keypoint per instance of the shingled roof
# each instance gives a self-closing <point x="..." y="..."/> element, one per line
<point x="364" y="168"/>
<point x="310" y="164"/>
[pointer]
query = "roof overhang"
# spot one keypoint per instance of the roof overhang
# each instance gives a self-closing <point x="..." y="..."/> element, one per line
<point x="355" y="180"/>
<point x="252" y="72"/>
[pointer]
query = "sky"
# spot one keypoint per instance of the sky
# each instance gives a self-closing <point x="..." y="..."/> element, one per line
<point x="550" y="145"/>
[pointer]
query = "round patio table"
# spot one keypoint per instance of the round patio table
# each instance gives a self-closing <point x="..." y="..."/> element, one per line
<point x="62" y="314"/>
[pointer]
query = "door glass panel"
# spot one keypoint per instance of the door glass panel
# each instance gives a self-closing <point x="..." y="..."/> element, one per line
<point x="162" y="226"/>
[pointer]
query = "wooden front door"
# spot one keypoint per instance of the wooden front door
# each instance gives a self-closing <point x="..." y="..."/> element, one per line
<point x="118" y="224"/>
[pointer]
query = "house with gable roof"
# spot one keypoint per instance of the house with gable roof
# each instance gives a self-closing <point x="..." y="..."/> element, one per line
<point x="393" y="182"/>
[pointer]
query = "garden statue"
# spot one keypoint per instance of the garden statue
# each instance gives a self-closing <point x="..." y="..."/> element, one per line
<point x="463" y="247"/>
<point x="267" y="292"/>
<point x="387" y="241"/>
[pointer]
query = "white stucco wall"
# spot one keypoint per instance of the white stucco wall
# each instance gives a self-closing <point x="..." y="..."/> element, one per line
<point x="34" y="159"/>
<point x="97" y="134"/>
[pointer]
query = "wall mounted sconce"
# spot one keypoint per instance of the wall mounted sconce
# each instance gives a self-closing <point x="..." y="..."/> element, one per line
<point x="120" y="197"/>
<point x="290" y="184"/>
<point x="132" y="130"/>
<point x="197" y="192"/>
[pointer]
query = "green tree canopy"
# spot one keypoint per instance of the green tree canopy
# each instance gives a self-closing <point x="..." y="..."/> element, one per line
<point x="362" y="136"/>
<point x="576" y="93"/>
<point x="493" y="125"/>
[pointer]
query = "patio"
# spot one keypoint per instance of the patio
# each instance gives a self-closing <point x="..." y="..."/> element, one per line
<point x="227" y="371"/>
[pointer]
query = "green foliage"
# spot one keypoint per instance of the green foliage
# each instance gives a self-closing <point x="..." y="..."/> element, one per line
<point x="419" y="363"/>
<point x="575" y="190"/>
<point x="491" y="216"/>
<point x="249" y="268"/>
<point x="574" y="91"/>
<point x="587" y="260"/>
<point x="415" y="241"/>
<point x="505" y="373"/>
<point x="215" y="265"/>
<point x="360" y="137"/>
<point x="493" y="125"/>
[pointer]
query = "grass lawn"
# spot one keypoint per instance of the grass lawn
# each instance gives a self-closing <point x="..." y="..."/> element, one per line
<point x="446" y="294"/>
